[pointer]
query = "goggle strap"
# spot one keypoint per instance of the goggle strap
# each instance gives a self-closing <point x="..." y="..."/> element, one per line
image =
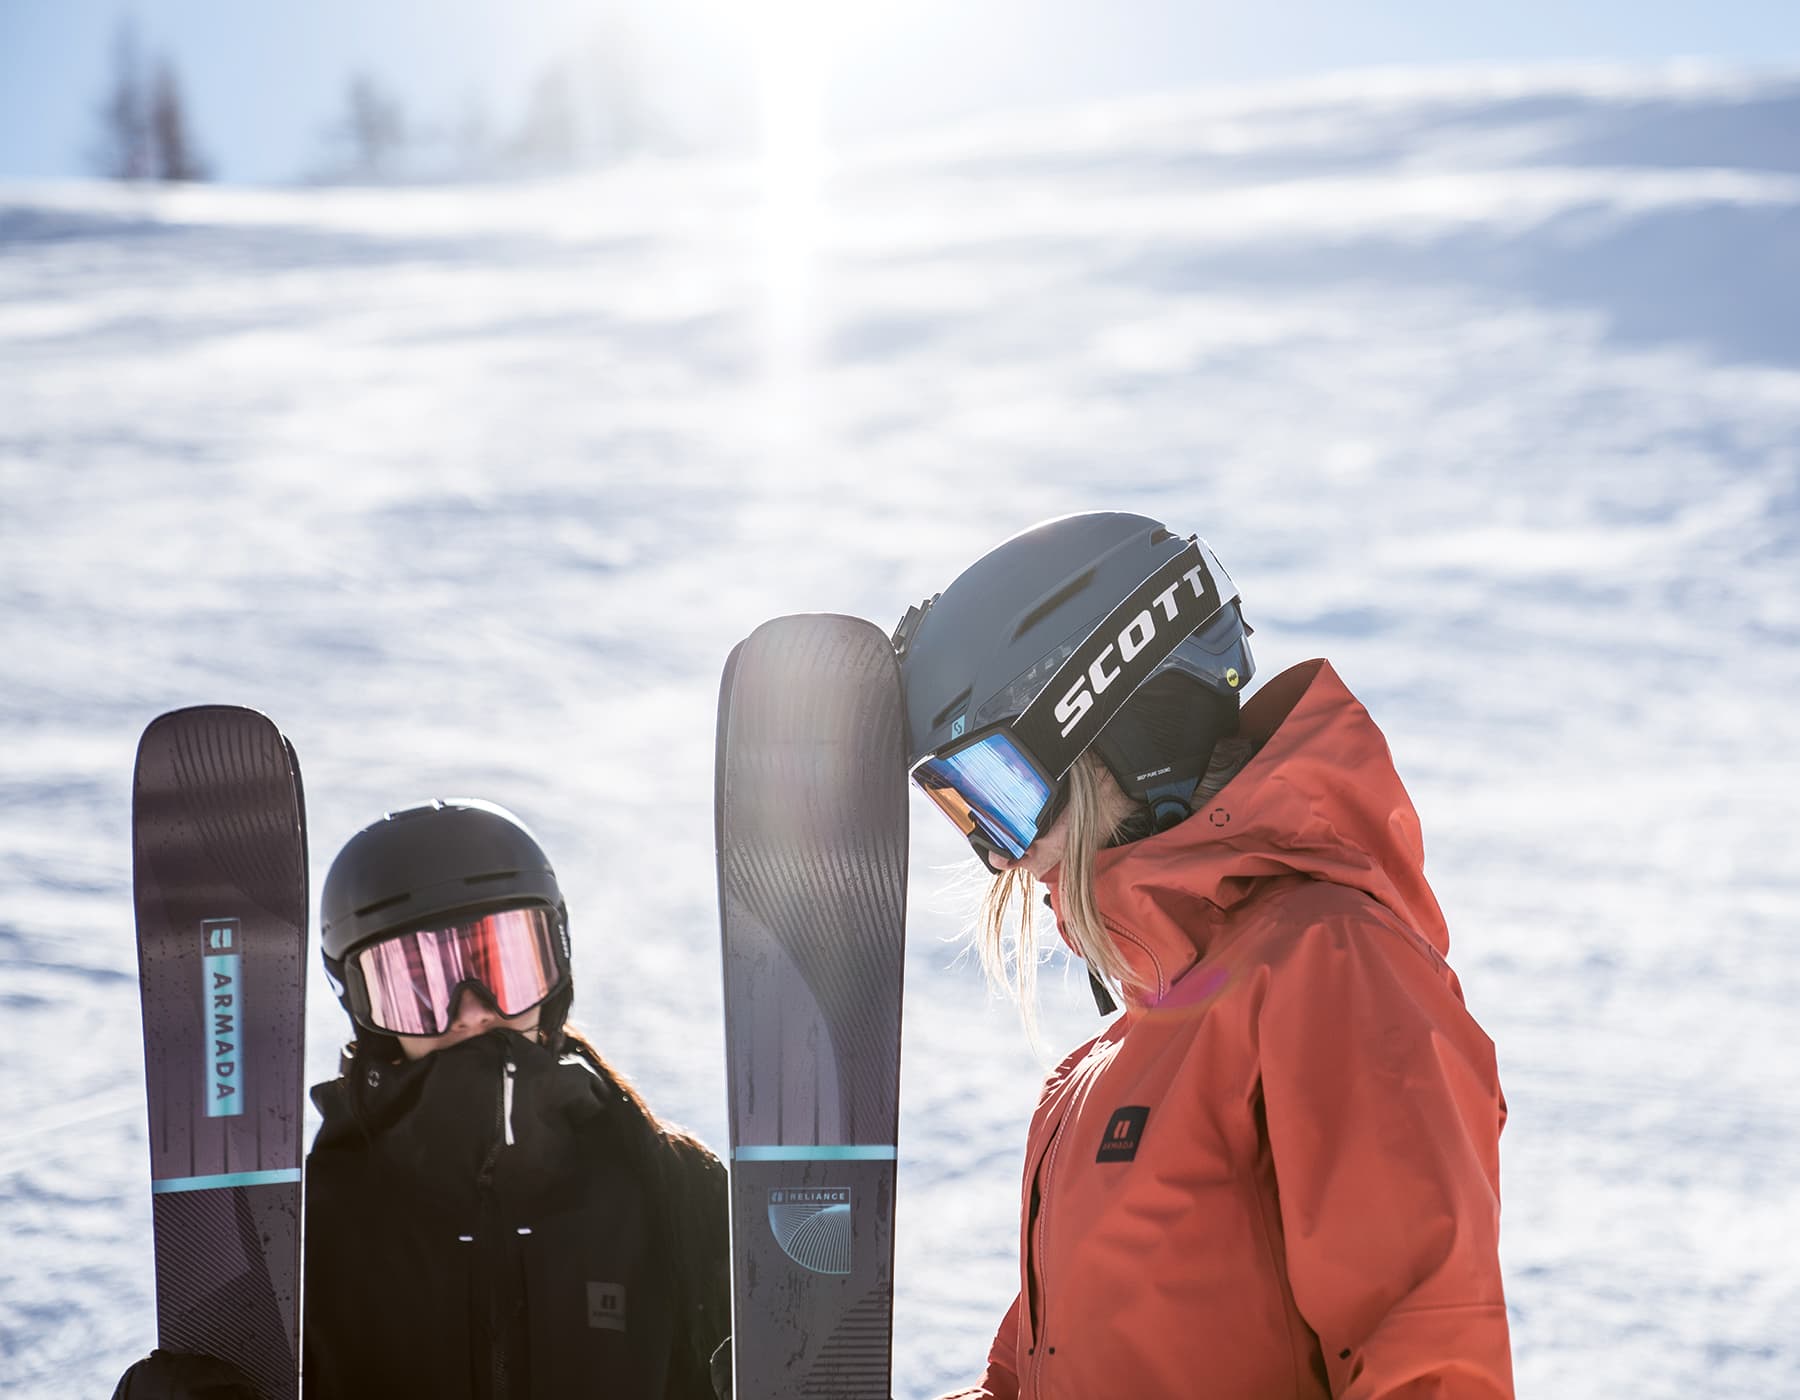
<point x="1104" y="670"/>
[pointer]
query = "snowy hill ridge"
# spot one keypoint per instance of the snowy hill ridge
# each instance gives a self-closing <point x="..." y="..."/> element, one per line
<point x="1486" y="384"/>
<point x="1587" y="116"/>
<point x="1410" y="174"/>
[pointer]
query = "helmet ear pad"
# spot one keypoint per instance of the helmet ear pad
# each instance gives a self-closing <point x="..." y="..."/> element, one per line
<point x="1158" y="747"/>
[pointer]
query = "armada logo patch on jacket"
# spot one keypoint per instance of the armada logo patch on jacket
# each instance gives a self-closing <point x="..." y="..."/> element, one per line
<point x="1123" y="1133"/>
<point x="606" y="1306"/>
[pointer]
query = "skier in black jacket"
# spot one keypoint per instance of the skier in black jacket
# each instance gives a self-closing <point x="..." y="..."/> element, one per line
<point x="492" y="1212"/>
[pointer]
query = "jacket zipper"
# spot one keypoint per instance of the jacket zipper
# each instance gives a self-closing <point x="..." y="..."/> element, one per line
<point x="493" y="1246"/>
<point x="1041" y="1281"/>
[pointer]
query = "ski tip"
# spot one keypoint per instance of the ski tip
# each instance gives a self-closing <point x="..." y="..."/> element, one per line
<point x="215" y="719"/>
<point x="813" y="623"/>
<point x="199" y="716"/>
<point x="853" y="641"/>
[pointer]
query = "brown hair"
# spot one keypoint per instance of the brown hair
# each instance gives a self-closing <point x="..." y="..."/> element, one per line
<point x="689" y="1190"/>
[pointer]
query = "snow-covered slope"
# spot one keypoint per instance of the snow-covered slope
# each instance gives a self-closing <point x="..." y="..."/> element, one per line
<point x="1486" y="385"/>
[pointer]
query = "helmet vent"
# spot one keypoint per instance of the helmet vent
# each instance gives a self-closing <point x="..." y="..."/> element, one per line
<point x="1053" y="602"/>
<point x="490" y="878"/>
<point x="381" y="904"/>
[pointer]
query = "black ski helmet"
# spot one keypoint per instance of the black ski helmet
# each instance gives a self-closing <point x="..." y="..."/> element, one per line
<point x="445" y="860"/>
<point x="985" y="648"/>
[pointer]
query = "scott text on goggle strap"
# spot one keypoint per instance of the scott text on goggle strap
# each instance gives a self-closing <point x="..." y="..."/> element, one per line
<point x="1132" y="639"/>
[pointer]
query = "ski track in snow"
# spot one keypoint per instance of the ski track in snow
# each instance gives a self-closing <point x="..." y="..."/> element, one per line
<point x="1487" y="386"/>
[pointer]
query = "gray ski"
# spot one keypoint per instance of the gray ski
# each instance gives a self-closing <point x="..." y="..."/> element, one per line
<point x="812" y="844"/>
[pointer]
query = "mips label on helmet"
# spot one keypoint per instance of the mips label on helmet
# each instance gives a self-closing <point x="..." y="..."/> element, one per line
<point x="223" y="1009"/>
<point x="1092" y="686"/>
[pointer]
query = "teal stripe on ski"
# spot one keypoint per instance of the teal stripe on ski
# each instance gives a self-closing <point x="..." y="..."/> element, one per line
<point x="279" y="1177"/>
<point x="847" y="1152"/>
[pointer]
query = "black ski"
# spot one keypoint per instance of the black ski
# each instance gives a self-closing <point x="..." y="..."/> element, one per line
<point x="219" y="876"/>
<point x="811" y="828"/>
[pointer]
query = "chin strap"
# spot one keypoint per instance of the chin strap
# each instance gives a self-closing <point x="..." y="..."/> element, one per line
<point x="1103" y="999"/>
<point x="1157" y="811"/>
<point x="1170" y="804"/>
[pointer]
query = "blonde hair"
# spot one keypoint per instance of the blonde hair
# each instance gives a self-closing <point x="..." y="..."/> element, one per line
<point x="1008" y="931"/>
<point x="1009" y="924"/>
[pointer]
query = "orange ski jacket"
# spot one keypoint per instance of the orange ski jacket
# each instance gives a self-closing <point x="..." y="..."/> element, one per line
<point x="1277" y="1173"/>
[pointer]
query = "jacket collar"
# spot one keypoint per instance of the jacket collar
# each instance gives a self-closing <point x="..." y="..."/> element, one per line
<point x="1320" y="800"/>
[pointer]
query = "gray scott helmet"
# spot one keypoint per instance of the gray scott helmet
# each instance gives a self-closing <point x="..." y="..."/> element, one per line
<point x="427" y="901"/>
<point x="1102" y="630"/>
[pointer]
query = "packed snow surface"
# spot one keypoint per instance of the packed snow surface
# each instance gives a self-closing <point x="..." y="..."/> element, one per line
<point x="1484" y="385"/>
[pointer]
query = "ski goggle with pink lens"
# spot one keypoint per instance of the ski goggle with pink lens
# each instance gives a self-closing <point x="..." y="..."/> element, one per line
<point x="1003" y="784"/>
<point x="408" y="984"/>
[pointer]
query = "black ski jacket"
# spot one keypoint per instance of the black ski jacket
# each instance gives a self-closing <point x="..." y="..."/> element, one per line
<point x="499" y="1223"/>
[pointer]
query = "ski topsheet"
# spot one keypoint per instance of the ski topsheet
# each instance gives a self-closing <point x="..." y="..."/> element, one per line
<point x="219" y="877"/>
<point x="811" y="826"/>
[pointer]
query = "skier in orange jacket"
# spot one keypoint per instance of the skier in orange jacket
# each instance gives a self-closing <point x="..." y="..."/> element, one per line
<point x="1277" y="1172"/>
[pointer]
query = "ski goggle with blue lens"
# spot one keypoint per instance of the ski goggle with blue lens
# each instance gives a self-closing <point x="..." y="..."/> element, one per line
<point x="992" y="789"/>
<point x="408" y="984"/>
<point x="1003" y="785"/>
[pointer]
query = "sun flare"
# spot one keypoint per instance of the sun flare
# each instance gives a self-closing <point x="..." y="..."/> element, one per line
<point x="792" y="50"/>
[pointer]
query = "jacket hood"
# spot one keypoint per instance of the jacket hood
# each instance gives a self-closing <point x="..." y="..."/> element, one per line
<point x="1319" y="800"/>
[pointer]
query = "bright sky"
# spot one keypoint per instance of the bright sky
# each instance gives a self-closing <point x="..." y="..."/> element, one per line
<point x="265" y="80"/>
